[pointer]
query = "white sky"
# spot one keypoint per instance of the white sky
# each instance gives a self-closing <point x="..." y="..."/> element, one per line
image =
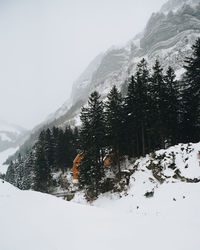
<point x="46" y="44"/>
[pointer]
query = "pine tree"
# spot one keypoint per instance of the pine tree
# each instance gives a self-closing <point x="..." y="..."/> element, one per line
<point x="173" y="106"/>
<point x="191" y="96"/>
<point x="49" y="149"/>
<point x="142" y="104"/>
<point x="92" y="138"/>
<point x="114" y="124"/>
<point x="158" y="93"/>
<point x="137" y="110"/>
<point x="130" y="119"/>
<point x="41" y="171"/>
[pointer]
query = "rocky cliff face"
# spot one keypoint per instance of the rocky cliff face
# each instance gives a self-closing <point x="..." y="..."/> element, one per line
<point x="168" y="36"/>
<point x="174" y="5"/>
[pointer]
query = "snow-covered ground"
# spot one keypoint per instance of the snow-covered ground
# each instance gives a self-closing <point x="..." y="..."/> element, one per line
<point x="169" y="220"/>
<point x="36" y="221"/>
<point x="4" y="156"/>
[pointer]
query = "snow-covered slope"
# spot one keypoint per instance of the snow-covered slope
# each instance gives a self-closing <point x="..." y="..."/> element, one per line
<point x="4" y="156"/>
<point x="32" y="220"/>
<point x="11" y="135"/>
<point x="172" y="171"/>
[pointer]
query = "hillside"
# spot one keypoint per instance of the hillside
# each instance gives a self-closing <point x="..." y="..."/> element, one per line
<point x="168" y="36"/>
<point x="168" y="218"/>
<point x="11" y="135"/>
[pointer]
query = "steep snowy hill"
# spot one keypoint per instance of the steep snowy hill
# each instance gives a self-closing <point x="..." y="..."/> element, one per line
<point x="172" y="171"/>
<point x="169" y="220"/>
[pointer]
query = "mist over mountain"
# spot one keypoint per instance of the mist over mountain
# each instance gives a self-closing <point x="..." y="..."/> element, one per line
<point x="168" y="37"/>
<point x="11" y="135"/>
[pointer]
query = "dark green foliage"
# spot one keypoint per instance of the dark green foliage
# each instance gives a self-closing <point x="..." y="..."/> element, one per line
<point x="92" y="140"/>
<point x="173" y="107"/>
<point x="191" y="96"/>
<point x="159" y="109"/>
<point x="54" y="150"/>
<point x="137" y="110"/>
<point x="129" y="110"/>
<point x="114" y="124"/>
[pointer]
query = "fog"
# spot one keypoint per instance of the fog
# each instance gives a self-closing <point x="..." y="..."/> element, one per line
<point x="46" y="44"/>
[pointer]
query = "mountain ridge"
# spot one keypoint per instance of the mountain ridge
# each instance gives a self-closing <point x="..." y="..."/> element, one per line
<point x="166" y="37"/>
<point x="11" y="135"/>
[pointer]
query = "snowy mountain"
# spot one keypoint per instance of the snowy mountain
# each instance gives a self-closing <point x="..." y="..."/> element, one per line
<point x="168" y="36"/>
<point x="11" y="135"/>
<point x="159" y="209"/>
<point x="174" y="5"/>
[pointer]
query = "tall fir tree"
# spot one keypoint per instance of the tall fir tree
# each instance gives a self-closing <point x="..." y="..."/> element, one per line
<point x="173" y="106"/>
<point x="42" y="170"/>
<point x="130" y="119"/>
<point x="142" y="105"/>
<point x="191" y="96"/>
<point x="92" y="138"/>
<point x="158" y="93"/>
<point x="114" y="124"/>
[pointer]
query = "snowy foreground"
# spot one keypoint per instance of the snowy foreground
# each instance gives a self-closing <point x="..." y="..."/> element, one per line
<point x="36" y="221"/>
<point x="170" y="220"/>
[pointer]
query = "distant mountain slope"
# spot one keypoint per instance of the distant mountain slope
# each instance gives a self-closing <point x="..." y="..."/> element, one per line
<point x="11" y="135"/>
<point x="168" y="36"/>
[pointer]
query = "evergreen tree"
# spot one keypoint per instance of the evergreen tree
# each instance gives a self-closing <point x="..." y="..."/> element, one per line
<point x="191" y="96"/>
<point x="49" y="149"/>
<point x="137" y="110"/>
<point x="130" y="119"/>
<point x="92" y="138"/>
<point x="114" y="124"/>
<point x="158" y="93"/>
<point x="173" y="106"/>
<point x="42" y="171"/>
<point x="142" y="105"/>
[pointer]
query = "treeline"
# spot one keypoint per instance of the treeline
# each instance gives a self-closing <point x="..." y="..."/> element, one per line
<point x="54" y="151"/>
<point x="158" y="111"/>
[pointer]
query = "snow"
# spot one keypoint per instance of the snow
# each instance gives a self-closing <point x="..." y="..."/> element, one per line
<point x="4" y="156"/>
<point x="4" y="137"/>
<point x="179" y="73"/>
<point x="124" y="220"/>
<point x="32" y="220"/>
<point x="5" y="126"/>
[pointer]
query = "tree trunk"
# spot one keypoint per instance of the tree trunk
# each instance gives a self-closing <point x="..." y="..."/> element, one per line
<point x="143" y="140"/>
<point x="137" y="142"/>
